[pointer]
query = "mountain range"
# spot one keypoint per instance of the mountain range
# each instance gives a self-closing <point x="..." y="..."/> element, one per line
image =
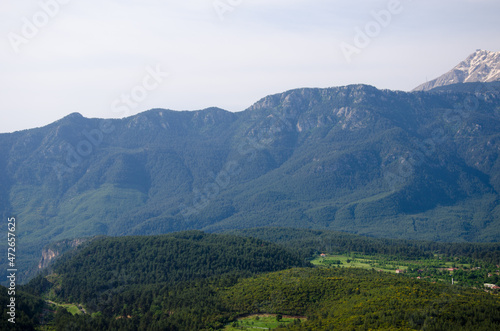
<point x="419" y="165"/>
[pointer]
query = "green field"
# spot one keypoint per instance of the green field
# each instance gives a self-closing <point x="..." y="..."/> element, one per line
<point x="261" y="322"/>
<point x="71" y="308"/>
<point x="364" y="262"/>
<point x="437" y="268"/>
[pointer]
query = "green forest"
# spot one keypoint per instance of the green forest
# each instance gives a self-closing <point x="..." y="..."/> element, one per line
<point x="309" y="242"/>
<point x="198" y="281"/>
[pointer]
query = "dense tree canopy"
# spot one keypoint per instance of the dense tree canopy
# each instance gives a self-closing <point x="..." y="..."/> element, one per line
<point x="197" y="281"/>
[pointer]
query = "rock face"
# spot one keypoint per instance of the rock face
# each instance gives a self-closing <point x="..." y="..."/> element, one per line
<point x="47" y="256"/>
<point x="481" y="66"/>
<point x="54" y="250"/>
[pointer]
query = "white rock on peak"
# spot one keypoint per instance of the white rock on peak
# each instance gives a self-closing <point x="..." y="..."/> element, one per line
<point x="480" y="66"/>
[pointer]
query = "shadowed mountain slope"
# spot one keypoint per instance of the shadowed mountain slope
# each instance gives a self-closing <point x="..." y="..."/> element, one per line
<point x="420" y="165"/>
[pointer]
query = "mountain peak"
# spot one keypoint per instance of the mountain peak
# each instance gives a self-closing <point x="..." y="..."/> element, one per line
<point x="481" y="66"/>
<point x="73" y="117"/>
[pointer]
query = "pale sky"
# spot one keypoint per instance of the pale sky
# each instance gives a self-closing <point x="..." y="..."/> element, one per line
<point x="96" y="57"/>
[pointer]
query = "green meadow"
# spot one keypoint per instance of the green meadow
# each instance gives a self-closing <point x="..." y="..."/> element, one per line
<point x="364" y="262"/>
<point x="262" y="322"/>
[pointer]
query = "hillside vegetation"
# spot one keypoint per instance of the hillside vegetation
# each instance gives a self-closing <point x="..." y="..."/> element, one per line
<point x="107" y="266"/>
<point x="197" y="281"/>
<point x="312" y="242"/>
<point x="420" y="165"/>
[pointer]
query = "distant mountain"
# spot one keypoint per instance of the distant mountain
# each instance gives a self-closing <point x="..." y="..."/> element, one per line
<point x="381" y="163"/>
<point x="481" y="66"/>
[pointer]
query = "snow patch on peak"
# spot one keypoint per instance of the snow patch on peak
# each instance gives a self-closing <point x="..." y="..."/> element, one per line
<point x="481" y="66"/>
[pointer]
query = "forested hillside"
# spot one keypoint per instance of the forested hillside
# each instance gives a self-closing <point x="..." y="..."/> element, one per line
<point x="420" y="165"/>
<point x="309" y="242"/>
<point x="354" y="299"/>
<point x="109" y="265"/>
<point x="197" y="281"/>
<point x="346" y="299"/>
<point x="28" y="310"/>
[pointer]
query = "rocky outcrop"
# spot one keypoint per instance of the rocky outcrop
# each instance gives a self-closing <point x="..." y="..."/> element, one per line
<point x="53" y="251"/>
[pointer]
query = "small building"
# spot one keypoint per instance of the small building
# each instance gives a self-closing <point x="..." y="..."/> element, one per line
<point x="322" y="255"/>
<point x="399" y="271"/>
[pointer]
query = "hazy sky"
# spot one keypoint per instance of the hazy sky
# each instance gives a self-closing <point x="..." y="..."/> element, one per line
<point x="109" y="58"/>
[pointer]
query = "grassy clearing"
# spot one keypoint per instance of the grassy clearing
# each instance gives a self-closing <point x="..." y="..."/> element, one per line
<point x="365" y="262"/>
<point x="50" y="296"/>
<point x="461" y="265"/>
<point x="261" y="322"/>
<point x="71" y="308"/>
